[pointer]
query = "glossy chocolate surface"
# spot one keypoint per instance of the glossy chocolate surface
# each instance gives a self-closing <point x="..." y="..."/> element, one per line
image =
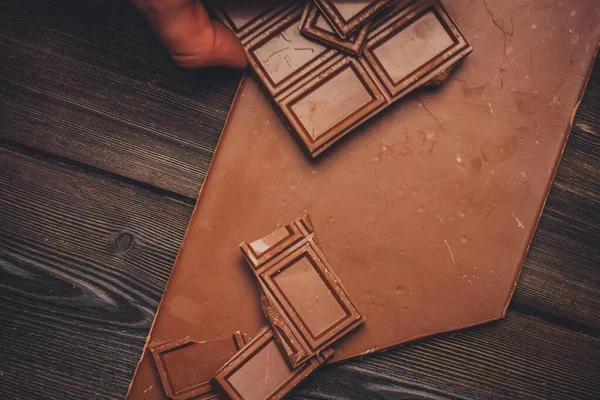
<point x="317" y="27"/>
<point x="304" y="300"/>
<point x="428" y="209"/>
<point x="260" y="372"/>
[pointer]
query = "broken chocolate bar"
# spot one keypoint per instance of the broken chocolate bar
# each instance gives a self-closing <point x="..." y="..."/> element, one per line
<point x="347" y="16"/>
<point x="260" y="372"/>
<point x="323" y="94"/>
<point x="317" y="27"/>
<point x="305" y="302"/>
<point x="185" y="366"/>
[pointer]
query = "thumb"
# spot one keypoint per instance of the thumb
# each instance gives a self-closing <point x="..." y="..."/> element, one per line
<point x="192" y="38"/>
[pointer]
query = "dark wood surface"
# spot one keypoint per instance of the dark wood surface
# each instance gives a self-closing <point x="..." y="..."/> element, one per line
<point x="104" y="144"/>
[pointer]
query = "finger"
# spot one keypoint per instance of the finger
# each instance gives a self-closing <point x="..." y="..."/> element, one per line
<point x="221" y="48"/>
<point x="191" y="37"/>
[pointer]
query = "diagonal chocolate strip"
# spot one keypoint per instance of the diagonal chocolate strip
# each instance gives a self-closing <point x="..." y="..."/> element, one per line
<point x="306" y="304"/>
<point x="259" y="370"/>
<point x="185" y="366"/>
<point x="317" y="27"/>
<point x="323" y="94"/>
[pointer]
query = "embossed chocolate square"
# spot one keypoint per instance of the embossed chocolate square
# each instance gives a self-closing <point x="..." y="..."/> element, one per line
<point x="347" y="16"/>
<point x="259" y="370"/>
<point x="185" y="366"/>
<point x="315" y="26"/>
<point x="306" y="304"/>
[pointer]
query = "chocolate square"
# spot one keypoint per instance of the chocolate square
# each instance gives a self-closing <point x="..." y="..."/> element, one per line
<point x="185" y="366"/>
<point x="260" y="371"/>
<point x="347" y="16"/>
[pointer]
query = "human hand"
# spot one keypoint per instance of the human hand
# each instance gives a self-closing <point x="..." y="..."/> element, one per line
<point x="188" y="33"/>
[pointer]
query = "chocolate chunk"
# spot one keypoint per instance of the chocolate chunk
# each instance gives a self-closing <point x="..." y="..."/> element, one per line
<point x="323" y="94"/>
<point x="186" y="366"/>
<point x="317" y="27"/>
<point x="305" y="302"/>
<point x="348" y="16"/>
<point x="260" y="372"/>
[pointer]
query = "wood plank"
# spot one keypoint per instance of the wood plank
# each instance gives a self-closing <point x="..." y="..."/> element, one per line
<point x="81" y="89"/>
<point x="519" y="357"/>
<point x="83" y="263"/>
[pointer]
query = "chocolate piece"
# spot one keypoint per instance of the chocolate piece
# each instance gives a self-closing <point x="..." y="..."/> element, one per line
<point x="323" y="94"/>
<point x="260" y="372"/>
<point x="317" y="27"/>
<point x="347" y="16"/>
<point x="305" y="302"/>
<point x="414" y="46"/>
<point x="186" y="366"/>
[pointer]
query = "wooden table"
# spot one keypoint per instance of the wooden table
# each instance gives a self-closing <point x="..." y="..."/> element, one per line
<point x="104" y="144"/>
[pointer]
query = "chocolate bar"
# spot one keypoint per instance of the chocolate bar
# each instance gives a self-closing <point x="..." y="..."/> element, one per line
<point x="185" y="366"/>
<point x="305" y="302"/>
<point x="347" y="16"/>
<point x="317" y="27"/>
<point x="324" y="94"/>
<point x="260" y="372"/>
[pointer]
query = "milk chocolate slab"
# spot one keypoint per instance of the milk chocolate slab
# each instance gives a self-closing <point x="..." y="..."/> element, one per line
<point x="305" y="302"/>
<point x="347" y="16"/>
<point x="260" y="372"/>
<point x="185" y="366"/>
<point x="317" y="27"/>
<point x="323" y="94"/>
<point x="426" y="213"/>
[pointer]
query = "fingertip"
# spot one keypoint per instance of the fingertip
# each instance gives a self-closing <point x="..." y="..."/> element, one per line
<point x="228" y="48"/>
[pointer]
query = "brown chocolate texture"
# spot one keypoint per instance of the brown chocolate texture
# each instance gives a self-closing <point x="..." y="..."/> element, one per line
<point x="185" y="367"/>
<point x="260" y="372"/>
<point x="316" y="26"/>
<point x="428" y="209"/>
<point x="305" y="302"/>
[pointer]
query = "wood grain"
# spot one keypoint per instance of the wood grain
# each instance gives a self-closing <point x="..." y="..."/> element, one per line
<point x="108" y="96"/>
